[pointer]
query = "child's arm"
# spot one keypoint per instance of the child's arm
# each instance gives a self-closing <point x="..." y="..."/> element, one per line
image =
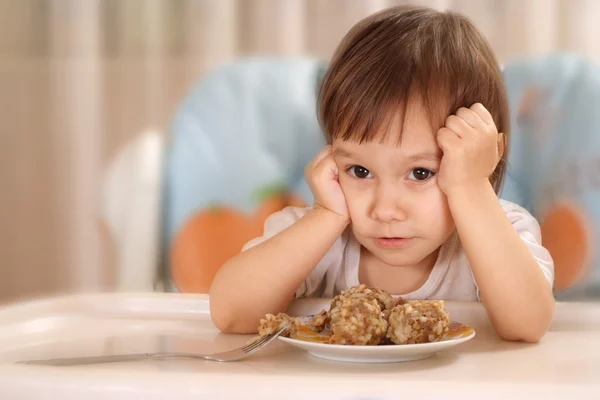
<point x="264" y="278"/>
<point x="512" y="286"/>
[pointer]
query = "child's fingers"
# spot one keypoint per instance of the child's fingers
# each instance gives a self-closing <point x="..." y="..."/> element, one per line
<point x="328" y="164"/>
<point x="471" y="118"/>
<point x="483" y="113"/>
<point x="447" y="139"/>
<point x="324" y="153"/>
<point x="460" y="127"/>
<point x="324" y="165"/>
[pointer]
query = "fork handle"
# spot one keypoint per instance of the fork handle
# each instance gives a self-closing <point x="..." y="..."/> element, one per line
<point x="96" y="359"/>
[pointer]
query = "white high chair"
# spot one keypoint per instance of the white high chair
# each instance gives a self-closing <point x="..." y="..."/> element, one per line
<point x="130" y="210"/>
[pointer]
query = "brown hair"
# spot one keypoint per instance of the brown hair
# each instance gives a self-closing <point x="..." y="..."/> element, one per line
<point x="404" y="53"/>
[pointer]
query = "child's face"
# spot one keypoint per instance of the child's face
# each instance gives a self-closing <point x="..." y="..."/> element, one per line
<point x="398" y="212"/>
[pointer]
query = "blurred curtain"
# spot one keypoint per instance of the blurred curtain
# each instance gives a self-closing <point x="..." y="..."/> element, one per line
<point x="80" y="77"/>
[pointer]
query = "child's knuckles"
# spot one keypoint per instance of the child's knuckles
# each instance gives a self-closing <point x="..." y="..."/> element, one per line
<point x="451" y="120"/>
<point x="468" y="115"/>
<point x="329" y="160"/>
<point x="462" y="112"/>
<point x="483" y="113"/>
<point x="444" y="133"/>
<point x="491" y="130"/>
<point x="446" y="145"/>
<point x="322" y="163"/>
<point x="479" y="108"/>
<point x="315" y="173"/>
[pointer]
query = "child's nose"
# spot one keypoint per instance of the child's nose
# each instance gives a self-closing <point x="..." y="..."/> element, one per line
<point x="387" y="207"/>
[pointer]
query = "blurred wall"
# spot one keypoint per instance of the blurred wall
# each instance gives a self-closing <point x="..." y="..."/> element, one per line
<point x="78" y="78"/>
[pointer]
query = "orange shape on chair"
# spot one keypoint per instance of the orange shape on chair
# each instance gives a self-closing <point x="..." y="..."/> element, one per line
<point x="214" y="235"/>
<point x="568" y="238"/>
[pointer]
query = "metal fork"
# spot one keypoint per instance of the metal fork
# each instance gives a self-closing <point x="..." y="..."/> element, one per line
<point x="231" y="355"/>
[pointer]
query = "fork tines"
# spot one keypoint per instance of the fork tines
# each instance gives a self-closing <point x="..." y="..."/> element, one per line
<point x="263" y="339"/>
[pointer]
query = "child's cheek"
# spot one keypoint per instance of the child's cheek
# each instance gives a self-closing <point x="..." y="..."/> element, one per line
<point x="357" y="199"/>
<point x="345" y="181"/>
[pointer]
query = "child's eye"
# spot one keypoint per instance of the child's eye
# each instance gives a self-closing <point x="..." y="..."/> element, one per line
<point x="359" y="172"/>
<point x="420" y="174"/>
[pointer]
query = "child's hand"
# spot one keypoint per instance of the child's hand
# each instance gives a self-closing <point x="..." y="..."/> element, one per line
<point x="470" y="143"/>
<point x="322" y="178"/>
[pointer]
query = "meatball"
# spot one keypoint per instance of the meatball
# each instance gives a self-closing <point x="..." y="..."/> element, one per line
<point x="321" y="321"/>
<point x="418" y="322"/>
<point x="273" y="323"/>
<point x="385" y="300"/>
<point x="357" y="321"/>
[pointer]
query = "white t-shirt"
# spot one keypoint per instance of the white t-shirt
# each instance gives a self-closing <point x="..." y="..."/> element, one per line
<point x="450" y="279"/>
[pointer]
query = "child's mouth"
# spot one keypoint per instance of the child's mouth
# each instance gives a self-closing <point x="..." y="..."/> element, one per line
<point x="392" y="242"/>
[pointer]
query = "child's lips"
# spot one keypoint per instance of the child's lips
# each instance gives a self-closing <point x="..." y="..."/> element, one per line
<point x="392" y="242"/>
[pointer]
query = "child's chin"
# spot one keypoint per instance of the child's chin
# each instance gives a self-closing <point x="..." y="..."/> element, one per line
<point x="396" y="260"/>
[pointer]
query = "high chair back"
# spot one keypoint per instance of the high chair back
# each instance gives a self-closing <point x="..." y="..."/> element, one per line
<point x="554" y="165"/>
<point x="238" y="147"/>
<point x="130" y="213"/>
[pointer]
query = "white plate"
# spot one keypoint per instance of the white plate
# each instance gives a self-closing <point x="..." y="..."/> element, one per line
<point x="458" y="333"/>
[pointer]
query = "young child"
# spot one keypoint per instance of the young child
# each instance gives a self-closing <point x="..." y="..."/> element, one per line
<point x="414" y="109"/>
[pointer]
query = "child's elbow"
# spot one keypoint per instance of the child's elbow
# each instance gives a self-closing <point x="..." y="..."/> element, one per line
<point x="221" y="312"/>
<point x="528" y="330"/>
<point x="223" y="324"/>
<point x="227" y="320"/>
<point x="534" y="332"/>
<point x="222" y="315"/>
<point x="525" y="336"/>
<point x="533" y="337"/>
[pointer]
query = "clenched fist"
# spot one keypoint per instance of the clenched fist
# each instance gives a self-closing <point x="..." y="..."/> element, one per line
<point x="471" y="146"/>
<point x="322" y="176"/>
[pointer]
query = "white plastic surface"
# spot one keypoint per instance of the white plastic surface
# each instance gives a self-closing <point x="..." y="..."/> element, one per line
<point x="565" y="363"/>
<point x="131" y="210"/>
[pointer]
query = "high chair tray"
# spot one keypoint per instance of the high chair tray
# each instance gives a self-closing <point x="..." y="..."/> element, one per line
<point x="566" y="361"/>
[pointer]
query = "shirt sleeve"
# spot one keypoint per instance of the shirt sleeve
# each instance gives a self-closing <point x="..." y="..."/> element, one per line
<point x="280" y="221"/>
<point x="529" y="230"/>
<point x="276" y="223"/>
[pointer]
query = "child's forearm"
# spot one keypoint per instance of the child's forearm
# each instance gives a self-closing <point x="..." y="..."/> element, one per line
<point x="263" y="279"/>
<point x="512" y="287"/>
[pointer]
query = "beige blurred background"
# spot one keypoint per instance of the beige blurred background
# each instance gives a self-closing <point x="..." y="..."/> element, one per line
<point x="79" y="78"/>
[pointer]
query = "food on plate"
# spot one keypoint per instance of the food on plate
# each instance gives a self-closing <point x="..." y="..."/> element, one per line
<point x="321" y="320"/>
<point x="418" y="322"/>
<point x="357" y="321"/>
<point x="368" y="316"/>
<point x="385" y="300"/>
<point x="273" y="323"/>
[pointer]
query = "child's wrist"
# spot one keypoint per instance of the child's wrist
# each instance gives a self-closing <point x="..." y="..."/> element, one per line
<point x="473" y="188"/>
<point x="471" y="199"/>
<point x="336" y="219"/>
